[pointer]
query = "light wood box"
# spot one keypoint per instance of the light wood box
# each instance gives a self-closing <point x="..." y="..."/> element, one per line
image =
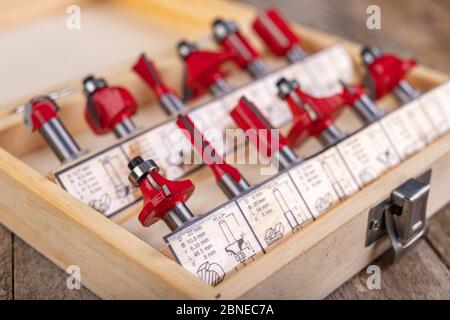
<point x="120" y="259"/>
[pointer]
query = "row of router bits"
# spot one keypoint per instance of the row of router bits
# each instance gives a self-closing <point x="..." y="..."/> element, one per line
<point x="111" y="108"/>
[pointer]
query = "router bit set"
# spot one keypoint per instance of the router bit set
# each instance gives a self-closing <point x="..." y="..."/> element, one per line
<point x="309" y="160"/>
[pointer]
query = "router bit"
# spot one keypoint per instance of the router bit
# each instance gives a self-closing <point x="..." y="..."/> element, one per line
<point x="363" y="105"/>
<point x="203" y="71"/>
<point x="167" y="98"/>
<point x="275" y="31"/>
<point x="108" y="108"/>
<point x="41" y="114"/>
<point x="227" y="35"/>
<point x="386" y="73"/>
<point x="312" y="116"/>
<point x="269" y="141"/>
<point x="227" y="177"/>
<point x="163" y="199"/>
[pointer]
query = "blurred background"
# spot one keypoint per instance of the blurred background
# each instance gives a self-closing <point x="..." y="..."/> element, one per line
<point x="409" y="27"/>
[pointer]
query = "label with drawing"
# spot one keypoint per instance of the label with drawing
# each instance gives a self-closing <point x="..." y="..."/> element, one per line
<point x="215" y="245"/>
<point x="323" y="181"/>
<point x="436" y="105"/>
<point x="409" y="129"/>
<point x="274" y="210"/>
<point x="101" y="182"/>
<point x="368" y="154"/>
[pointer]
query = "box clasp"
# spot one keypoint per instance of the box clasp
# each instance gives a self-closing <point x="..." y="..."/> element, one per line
<point x="402" y="216"/>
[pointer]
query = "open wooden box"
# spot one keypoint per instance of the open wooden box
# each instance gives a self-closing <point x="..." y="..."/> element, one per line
<point x="119" y="258"/>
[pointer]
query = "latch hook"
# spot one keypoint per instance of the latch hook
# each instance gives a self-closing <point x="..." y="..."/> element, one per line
<point x="402" y="216"/>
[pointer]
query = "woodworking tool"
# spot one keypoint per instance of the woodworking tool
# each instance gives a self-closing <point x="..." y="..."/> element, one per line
<point x="386" y="73"/>
<point x="269" y="141"/>
<point x="108" y="108"/>
<point x="168" y="99"/>
<point x="41" y="114"/>
<point x="312" y="116"/>
<point x="227" y="177"/>
<point x="227" y="35"/>
<point x="275" y="31"/>
<point x="203" y="71"/>
<point x="365" y="107"/>
<point x="163" y="199"/>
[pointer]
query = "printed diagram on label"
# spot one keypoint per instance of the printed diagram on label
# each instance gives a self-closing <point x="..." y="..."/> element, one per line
<point x="368" y="154"/>
<point x="215" y="245"/>
<point x="122" y="189"/>
<point x="312" y="181"/>
<point x="100" y="183"/>
<point x="435" y="105"/>
<point x="408" y="129"/>
<point x="337" y="173"/>
<point x="274" y="210"/>
<point x="238" y="246"/>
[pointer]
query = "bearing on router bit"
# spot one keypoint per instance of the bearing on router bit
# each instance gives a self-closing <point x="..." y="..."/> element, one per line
<point x="203" y="71"/>
<point x="310" y="119"/>
<point x="109" y="108"/>
<point x="227" y="35"/>
<point x="386" y="74"/>
<point x="163" y="199"/>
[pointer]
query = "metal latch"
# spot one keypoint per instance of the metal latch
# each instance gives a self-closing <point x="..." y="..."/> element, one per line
<point x="402" y="216"/>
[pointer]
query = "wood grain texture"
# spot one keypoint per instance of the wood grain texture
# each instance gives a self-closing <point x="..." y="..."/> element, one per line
<point x="409" y="27"/>
<point x="438" y="236"/>
<point x="35" y="277"/>
<point x="419" y="275"/>
<point x="6" y="264"/>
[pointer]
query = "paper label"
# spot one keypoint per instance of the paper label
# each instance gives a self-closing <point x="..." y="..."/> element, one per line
<point x="368" y="154"/>
<point x="274" y="210"/>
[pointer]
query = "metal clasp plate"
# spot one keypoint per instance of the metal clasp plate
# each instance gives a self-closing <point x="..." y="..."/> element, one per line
<point x="402" y="216"/>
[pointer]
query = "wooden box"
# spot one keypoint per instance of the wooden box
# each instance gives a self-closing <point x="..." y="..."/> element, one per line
<point x="120" y="259"/>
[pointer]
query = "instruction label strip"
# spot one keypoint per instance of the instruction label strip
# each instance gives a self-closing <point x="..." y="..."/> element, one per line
<point x="268" y="213"/>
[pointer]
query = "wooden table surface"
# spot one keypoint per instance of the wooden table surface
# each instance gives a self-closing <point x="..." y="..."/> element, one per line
<point x="409" y="27"/>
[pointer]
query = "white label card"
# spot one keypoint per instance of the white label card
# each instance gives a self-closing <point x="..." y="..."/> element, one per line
<point x="368" y="154"/>
<point x="216" y="245"/>
<point x="436" y="105"/>
<point x="408" y="129"/>
<point x="101" y="182"/>
<point x="274" y="210"/>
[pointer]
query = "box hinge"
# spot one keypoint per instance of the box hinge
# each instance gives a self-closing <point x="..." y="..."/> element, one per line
<point x="402" y="216"/>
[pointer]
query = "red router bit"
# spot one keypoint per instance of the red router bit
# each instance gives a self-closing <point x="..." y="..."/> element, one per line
<point x="312" y="116"/>
<point x="41" y="114"/>
<point x="356" y="96"/>
<point x="168" y="99"/>
<point x="275" y="31"/>
<point x="203" y="71"/>
<point x="228" y="178"/>
<point x="163" y="199"/>
<point x="269" y="142"/>
<point x="386" y="73"/>
<point x="351" y="95"/>
<point x="108" y="108"/>
<point x="227" y="35"/>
